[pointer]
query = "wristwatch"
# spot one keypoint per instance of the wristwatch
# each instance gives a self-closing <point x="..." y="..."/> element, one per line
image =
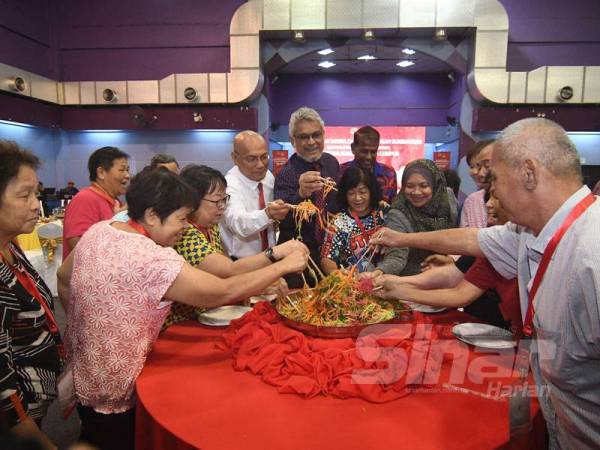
<point x="269" y="254"/>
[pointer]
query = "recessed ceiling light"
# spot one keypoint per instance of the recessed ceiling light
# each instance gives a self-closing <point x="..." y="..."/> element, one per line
<point x="326" y="52"/>
<point x="369" y="35"/>
<point x="326" y="64"/>
<point x="298" y="36"/>
<point x="405" y="63"/>
<point x="366" y="57"/>
<point x="408" y="51"/>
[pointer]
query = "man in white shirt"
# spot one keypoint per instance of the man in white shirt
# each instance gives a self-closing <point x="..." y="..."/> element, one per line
<point x="248" y="225"/>
<point x="536" y="174"/>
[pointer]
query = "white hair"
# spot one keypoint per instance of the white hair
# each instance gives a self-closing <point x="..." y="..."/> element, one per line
<point x="304" y="113"/>
<point x="542" y="140"/>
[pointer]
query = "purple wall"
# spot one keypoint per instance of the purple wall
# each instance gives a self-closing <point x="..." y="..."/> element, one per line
<point x="150" y="39"/>
<point x="27" y="36"/>
<point x="349" y="99"/>
<point x="553" y="32"/>
<point x="143" y="39"/>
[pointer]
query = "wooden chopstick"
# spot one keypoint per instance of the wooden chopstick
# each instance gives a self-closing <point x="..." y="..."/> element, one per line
<point x="315" y="266"/>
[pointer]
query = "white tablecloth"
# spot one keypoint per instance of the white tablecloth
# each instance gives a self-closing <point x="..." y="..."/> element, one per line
<point x="46" y="271"/>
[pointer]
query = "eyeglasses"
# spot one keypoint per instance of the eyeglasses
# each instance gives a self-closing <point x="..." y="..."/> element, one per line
<point x="316" y="136"/>
<point x="254" y="159"/>
<point x="222" y="203"/>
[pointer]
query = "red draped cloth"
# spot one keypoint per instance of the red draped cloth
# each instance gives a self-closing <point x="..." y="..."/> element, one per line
<point x="289" y="391"/>
<point x="295" y="363"/>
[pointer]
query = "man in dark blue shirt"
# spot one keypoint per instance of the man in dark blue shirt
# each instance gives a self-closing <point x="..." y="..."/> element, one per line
<point x="302" y="179"/>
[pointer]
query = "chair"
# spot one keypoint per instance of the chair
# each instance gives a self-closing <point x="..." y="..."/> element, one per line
<point x="50" y="235"/>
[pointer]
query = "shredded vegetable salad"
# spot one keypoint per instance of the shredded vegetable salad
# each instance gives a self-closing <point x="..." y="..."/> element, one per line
<point x="338" y="300"/>
<point x="303" y="212"/>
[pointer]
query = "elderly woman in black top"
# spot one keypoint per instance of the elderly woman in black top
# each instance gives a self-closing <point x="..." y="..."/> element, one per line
<point x="30" y="345"/>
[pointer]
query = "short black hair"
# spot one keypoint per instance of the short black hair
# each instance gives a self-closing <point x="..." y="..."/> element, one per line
<point x="477" y="148"/>
<point x="162" y="191"/>
<point x="203" y="179"/>
<point x="351" y="179"/>
<point x="367" y="133"/>
<point x="13" y="157"/>
<point x="104" y="157"/>
<point x="162" y="158"/>
<point x="452" y="180"/>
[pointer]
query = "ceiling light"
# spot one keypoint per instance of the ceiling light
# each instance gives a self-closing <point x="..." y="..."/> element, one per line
<point x="440" y="34"/>
<point x="326" y="64"/>
<point x="326" y="52"/>
<point x="405" y="63"/>
<point x="366" y="58"/>
<point x="369" y="35"/>
<point x="298" y="36"/>
<point x="408" y="51"/>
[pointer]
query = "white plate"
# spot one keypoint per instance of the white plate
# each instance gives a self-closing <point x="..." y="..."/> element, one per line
<point x="223" y="315"/>
<point x="484" y="335"/>
<point x="426" y="308"/>
<point x="262" y="298"/>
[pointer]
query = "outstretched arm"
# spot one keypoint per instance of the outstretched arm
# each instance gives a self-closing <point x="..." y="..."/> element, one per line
<point x="461" y="295"/>
<point x="453" y="241"/>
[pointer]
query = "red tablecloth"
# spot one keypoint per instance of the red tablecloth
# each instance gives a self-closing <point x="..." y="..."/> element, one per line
<point x="189" y="396"/>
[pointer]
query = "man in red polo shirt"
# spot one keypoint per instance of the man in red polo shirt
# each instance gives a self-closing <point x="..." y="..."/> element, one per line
<point x="109" y="174"/>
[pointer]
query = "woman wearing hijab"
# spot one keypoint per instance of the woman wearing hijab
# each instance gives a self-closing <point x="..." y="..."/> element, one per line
<point x="423" y="204"/>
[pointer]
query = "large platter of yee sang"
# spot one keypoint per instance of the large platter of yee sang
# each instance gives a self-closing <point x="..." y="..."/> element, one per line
<point x="339" y="306"/>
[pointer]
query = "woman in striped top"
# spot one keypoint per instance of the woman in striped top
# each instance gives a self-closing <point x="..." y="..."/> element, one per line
<point x="30" y="344"/>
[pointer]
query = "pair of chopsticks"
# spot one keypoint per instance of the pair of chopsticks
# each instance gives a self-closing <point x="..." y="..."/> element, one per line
<point x="293" y="303"/>
<point x="369" y="249"/>
<point x="330" y="182"/>
<point x="313" y="269"/>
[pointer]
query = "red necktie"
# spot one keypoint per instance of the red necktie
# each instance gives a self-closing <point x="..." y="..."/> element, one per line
<point x="264" y="234"/>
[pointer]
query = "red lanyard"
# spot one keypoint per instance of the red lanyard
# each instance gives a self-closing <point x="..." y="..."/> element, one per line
<point x="29" y="285"/>
<point x="363" y="231"/>
<point x="113" y="202"/>
<point x="137" y="227"/>
<point x="547" y="256"/>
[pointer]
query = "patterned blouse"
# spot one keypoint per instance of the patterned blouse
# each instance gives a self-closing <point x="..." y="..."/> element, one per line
<point x="115" y="312"/>
<point x="29" y="357"/>
<point x="194" y="247"/>
<point x="346" y="242"/>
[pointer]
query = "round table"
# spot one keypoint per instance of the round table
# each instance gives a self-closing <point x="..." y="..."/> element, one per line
<point x="189" y="396"/>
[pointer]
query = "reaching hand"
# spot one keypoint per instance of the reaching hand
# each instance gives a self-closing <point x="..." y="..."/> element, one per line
<point x="433" y="261"/>
<point x="390" y="286"/>
<point x="282" y="250"/>
<point x="295" y="262"/>
<point x="277" y="210"/>
<point x="370" y="275"/>
<point x="279" y="288"/>
<point x="309" y="182"/>
<point x="388" y="238"/>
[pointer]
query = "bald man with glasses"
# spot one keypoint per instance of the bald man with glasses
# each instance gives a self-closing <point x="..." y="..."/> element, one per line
<point x="248" y="226"/>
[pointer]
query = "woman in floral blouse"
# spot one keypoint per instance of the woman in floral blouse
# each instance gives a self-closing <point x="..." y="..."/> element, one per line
<point x="118" y="286"/>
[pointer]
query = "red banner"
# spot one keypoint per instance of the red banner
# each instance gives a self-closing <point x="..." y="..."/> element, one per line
<point x="279" y="158"/>
<point x="442" y="160"/>
<point x="397" y="146"/>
